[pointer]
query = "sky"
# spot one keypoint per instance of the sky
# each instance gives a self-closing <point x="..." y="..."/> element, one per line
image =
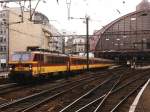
<point x="101" y="12"/>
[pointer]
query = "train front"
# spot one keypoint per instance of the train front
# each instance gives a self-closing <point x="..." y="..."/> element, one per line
<point x="20" y="66"/>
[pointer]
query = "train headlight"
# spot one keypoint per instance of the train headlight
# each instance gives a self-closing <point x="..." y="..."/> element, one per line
<point x="10" y="68"/>
<point x="30" y="67"/>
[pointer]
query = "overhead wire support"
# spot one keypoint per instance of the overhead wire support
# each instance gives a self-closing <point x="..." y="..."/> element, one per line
<point x="30" y="9"/>
<point x="34" y="10"/>
<point x="87" y="41"/>
<point x="22" y="7"/>
<point x="87" y="37"/>
<point x="68" y="2"/>
<point x="22" y="11"/>
<point x="7" y="1"/>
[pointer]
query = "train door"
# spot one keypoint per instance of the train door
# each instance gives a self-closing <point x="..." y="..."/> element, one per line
<point x="68" y="64"/>
<point x="39" y="58"/>
<point x="39" y="68"/>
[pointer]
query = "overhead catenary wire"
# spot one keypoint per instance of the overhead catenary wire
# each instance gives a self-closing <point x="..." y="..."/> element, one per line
<point x="23" y="33"/>
<point x="22" y="7"/>
<point x="36" y="35"/>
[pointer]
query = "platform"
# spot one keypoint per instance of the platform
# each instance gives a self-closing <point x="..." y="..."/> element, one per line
<point x="142" y="100"/>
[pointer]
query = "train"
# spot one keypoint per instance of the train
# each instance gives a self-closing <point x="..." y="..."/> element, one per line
<point x="28" y="65"/>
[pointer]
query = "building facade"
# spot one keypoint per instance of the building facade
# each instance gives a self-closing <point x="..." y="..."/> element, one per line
<point x="3" y="38"/>
<point x="75" y="45"/>
<point x="21" y="34"/>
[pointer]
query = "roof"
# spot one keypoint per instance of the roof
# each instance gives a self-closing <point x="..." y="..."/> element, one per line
<point x="101" y="31"/>
<point x="143" y="5"/>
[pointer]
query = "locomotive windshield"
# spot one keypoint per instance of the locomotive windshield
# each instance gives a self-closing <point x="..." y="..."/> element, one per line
<point x="21" y="56"/>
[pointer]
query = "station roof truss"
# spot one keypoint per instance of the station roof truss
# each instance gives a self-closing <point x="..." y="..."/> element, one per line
<point x="129" y="32"/>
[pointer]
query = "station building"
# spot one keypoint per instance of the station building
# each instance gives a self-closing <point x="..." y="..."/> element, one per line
<point x="22" y="34"/>
<point x="125" y="37"/>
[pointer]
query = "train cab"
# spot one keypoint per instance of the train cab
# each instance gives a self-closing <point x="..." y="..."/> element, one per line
<point x="20" y="64"/>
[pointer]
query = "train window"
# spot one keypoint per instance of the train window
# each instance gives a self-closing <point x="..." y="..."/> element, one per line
<point x="77" y="61"/>
<point x="26" y="57"/>
<point x="16" y="57"/>
<point x="83" y="61"/>
<point x="48" y="59"/>
<point x="52" y="60"/>
<point x="57" y="60"/>
<point x="21" y="57"/>
<point x="90" y="61"/>
<point x="63" y="60"/>
<point x="73" y="61"/>
<point x="38" y="57"/>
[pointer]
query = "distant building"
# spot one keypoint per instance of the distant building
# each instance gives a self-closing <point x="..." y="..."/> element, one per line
<point x="3" y="38"/>
<point x="75" y="45"/>
<point x="18" y="35"/>
<point x="144" y="5"/>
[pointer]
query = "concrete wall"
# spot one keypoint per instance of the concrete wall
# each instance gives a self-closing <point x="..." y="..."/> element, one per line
<point x="23" y="35"/>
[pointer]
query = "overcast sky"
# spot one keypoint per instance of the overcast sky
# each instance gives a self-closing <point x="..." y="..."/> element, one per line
<point x="101" y="12"/>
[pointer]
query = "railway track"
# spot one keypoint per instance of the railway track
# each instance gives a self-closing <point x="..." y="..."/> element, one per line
<point x="29" y="102"/>
<point x="10" y="87"/>
<point x="67" y="97"/>
<point x="94" y="93"/>
<point x="42" y="96"/>
<point x="2" y="86"/>
<point x="4" y="77"/>
<point x="111" y="100"/>
<point x="7" y="89"/>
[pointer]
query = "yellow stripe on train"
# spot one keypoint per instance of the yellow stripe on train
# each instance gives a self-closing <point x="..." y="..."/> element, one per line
<point x="52" y="69"/>
<point x="48" y="69"/>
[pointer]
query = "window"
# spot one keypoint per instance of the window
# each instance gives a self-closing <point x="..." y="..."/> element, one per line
<point x="80" y="41"/>
<point x="1" y="32"/>
<point x="4" y="19"/>
<point x="4" y="31"/>
<point x="3" y="14"/>
<point x="1" y="39"/>
<point x="39" y="57"/>
<point x="1" y="49"/>
<point x="4" y="39"/>
<point x="21" y="56"/>
<point x="4" y="22"/>
<point x="48" y="59"/>
<point x="4" y="48"/>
